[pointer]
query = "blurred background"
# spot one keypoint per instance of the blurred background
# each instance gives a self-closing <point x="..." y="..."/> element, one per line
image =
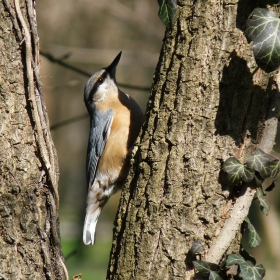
<point x="88" y="35"/>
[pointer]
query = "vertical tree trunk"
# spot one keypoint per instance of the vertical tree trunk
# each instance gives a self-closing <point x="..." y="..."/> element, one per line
<point x="209" y="101"/>
<point x="29" y="232"/>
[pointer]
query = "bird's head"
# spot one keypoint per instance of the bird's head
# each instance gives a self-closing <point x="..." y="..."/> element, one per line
<point x="102" y="84"/>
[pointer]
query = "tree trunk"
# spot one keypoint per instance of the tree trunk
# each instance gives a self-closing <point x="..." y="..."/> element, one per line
<point x="29" y="225"/>
<point x="209" y="101"/>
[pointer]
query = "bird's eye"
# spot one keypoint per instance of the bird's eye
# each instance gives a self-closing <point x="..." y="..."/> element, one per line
<point x="100" y="81"/>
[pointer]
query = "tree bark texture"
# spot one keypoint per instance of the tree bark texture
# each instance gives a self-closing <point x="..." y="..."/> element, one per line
<point x="209" y="101"/>
<point x="29" y="225"/>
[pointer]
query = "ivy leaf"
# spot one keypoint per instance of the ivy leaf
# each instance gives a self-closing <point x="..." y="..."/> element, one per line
<point x="258" y="179"/>
<point x="196" y="247"/>
<point x="263" y="203"/>
<point x="234" y="259"/>
<point x="167" y="9"/>
<point x="214" y="276"/>
<point x="205" y="267"/>
<point x="259" y="161"/>
<point x="263" y="28"/>
<point x="251" y="272"/>
<point x="274" y="168"/>
<point x="237" y="171"/>
<point x="260" y="269"/>
<point x="247" y="256"/>
<point x="254" y="238"/>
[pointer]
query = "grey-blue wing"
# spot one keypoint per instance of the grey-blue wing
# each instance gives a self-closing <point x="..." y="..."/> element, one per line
<point x="99" y="133"/>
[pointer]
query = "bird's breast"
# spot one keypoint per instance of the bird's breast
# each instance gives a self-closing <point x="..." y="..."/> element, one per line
<point x="112" y="161"/>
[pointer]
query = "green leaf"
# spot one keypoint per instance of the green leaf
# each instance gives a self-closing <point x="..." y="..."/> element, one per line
<point x="251" y="272"/>
<point x="214" y="276"/>
<point x="260" y="269"/>
<point x="259" y="161"/>
<point x="275" y="169"/>
<point x="196" y="247"/>
<point x="258" y="179"/>
<point x="234" y="259"/>
<point x="247" y="256"/>
<point x="237" y="171"/>
<point x="167" y="9"/>
<point x="263" y="203"/>
<point x="254" y="238"/>
<point x="205" y="267"/>
<point x="263" y="28"/>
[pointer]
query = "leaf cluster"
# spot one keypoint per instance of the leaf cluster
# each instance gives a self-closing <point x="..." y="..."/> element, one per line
<point x="206" y="269"/>
<point x="256" y="169"/>
<point x="248" y="269"/>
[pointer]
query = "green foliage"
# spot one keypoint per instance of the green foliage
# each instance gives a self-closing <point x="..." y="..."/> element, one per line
<point x="214" y="276"/>
<point x="237" y="171"/>
<point x="249" y="271"/>
<point x="234" y="259"/>
<point x="263" y="203"/>
<point x="263" y="28"/>
<point x="205" y="267"/>
<point x="254" y="238"/>
<point x="274" y="169"/>
<point x="258" y="167"/>
<point x="197" y="247"/>
<point x="167" y="9"/>
<point x="259" y="161"/>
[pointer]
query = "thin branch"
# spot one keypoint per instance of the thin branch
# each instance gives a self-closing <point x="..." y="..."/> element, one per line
<point x="232" y="225"/>
<point x="60" y="61"/>
<point x="51" y="58"/>
<point x="69" y="121"/>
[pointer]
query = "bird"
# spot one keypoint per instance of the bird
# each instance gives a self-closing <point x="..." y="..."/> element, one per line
<point x="115" y="122"/>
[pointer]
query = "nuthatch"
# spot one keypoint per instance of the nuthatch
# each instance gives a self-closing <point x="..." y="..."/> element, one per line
<point x="115" y="121"/>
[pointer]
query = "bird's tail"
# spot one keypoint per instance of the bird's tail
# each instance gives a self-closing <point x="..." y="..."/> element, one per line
<point x="92" y="214"/>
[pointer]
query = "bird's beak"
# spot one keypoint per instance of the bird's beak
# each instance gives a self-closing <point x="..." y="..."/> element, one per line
<point x="112" y="67"/>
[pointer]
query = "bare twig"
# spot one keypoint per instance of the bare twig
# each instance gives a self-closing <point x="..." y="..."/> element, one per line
<point x="60" y="61"/>
<point x="69" y="121"/>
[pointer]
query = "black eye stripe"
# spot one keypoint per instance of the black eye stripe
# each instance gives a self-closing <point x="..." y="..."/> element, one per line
<point x="96" y="85"/>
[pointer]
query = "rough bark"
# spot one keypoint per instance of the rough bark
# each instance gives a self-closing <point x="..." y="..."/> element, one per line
<point x="209" y="101"/>
<point x="29" y="225"/>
